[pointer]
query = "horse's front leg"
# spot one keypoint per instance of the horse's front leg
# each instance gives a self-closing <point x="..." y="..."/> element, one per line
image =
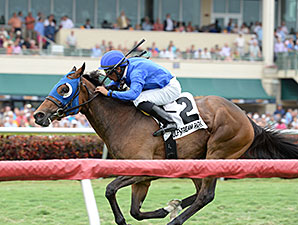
<point x="112" y="189"/>
<point x="205" y="195"/>
<point x="138" y="195"/>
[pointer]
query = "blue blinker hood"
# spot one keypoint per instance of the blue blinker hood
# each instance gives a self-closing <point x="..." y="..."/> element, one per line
<point x="73" y="85"/>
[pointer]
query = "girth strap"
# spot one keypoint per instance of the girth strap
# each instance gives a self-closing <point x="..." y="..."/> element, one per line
<point x="170" y="146"/>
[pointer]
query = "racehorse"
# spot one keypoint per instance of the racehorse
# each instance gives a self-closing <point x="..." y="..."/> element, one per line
<point x="127" y="132"/>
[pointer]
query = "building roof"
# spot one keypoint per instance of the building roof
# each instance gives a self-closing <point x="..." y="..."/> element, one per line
<point x="227" y="88"/>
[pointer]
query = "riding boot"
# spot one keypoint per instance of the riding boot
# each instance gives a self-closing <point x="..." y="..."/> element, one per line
<point x="161" y="115"/>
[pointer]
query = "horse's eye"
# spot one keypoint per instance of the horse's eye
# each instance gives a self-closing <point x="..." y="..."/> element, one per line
<point x="66" y="90"/>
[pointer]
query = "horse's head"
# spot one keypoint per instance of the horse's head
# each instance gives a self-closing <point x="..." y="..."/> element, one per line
<point x="63" y="100"/>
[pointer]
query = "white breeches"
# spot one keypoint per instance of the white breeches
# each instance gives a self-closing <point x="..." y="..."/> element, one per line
<point x="161" y="96"/>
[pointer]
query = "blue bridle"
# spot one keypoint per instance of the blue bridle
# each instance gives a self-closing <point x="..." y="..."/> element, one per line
<point x="68" y="104"/>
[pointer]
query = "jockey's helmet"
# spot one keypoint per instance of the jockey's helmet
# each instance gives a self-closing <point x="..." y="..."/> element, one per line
<point x="111" y="58"/>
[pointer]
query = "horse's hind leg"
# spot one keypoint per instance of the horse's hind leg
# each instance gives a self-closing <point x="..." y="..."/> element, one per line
<point x="205" y="195"/>
<point x="189" y="200"/>
<point x="139" y="192"/>
<point x="112" y="189"/>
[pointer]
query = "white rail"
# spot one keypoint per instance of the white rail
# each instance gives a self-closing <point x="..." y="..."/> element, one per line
<point x="62" y="130"/>
<point x="46" y="130"/>
<point x="88" y="194"/>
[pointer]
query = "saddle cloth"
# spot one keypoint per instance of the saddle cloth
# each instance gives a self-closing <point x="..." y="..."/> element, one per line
<point x="186" y="115"/>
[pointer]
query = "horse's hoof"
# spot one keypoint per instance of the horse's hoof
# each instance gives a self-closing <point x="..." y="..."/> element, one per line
<point x="175" y="202"/>
<point x="121" y="221"/>
<point x="174" y="207"/>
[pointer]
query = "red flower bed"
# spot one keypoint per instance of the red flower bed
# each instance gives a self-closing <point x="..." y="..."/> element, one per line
<point x="25" y="147"/>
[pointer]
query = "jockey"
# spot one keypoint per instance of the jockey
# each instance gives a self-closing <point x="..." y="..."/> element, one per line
<point x="150" y="86"/>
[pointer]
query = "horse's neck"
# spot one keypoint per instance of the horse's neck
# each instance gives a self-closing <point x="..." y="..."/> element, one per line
<point x="108" y="117"/>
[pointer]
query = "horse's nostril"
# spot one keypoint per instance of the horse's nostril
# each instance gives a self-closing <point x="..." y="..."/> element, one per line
<point x="39" y="116"/>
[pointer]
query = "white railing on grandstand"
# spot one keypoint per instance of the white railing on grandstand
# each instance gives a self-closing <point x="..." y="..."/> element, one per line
<point x="87" y="189"/>
<point x="289" y="131"/>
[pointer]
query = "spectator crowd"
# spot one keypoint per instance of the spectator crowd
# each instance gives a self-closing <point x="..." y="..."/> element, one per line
<point x="27" y="34"/>
<point x="23" y="117"/>
<point x="280" y="119"/>
<point x="227" y="52"/>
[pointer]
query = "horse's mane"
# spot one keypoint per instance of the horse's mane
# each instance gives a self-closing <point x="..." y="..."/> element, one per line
<point x="94" y="77"/>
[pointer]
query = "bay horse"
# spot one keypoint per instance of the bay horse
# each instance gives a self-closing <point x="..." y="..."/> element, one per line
<point x="127" y="132"/>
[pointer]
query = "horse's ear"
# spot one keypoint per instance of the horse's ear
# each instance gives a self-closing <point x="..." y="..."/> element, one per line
<point x="82" y="69"/>
<point x="73" y="69"/>
<point x="78" y="72"/>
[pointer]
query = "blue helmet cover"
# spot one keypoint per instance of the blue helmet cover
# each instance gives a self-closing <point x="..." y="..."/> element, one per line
<point x="72" y="85"/>
<point x="111" y="58"/>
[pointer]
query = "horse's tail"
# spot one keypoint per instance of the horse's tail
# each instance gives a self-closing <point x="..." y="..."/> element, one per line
<point x="270" y="144"/>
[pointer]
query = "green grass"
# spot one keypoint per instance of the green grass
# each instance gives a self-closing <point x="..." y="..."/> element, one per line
<point x="237" y="202"/>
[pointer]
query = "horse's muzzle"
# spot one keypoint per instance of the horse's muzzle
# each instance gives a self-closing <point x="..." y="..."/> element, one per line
<point x="41" y="119"/>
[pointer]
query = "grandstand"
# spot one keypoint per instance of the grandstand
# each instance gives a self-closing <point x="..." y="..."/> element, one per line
<point x="255" y="85"/>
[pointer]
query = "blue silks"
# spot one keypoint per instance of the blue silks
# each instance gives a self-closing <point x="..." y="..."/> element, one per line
<point x="73" y="85"/>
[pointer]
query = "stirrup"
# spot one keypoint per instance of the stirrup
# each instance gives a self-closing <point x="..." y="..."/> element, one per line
<point x="168" y="128"/>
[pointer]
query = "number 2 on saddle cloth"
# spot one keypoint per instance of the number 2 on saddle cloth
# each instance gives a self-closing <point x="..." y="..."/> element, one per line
<point x="185" y="113"/>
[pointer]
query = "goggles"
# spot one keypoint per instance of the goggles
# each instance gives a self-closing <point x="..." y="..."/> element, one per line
<point x="108" y="71"/>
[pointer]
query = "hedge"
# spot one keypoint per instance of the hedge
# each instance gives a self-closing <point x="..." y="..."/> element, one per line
<point x="25" y="147"/>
